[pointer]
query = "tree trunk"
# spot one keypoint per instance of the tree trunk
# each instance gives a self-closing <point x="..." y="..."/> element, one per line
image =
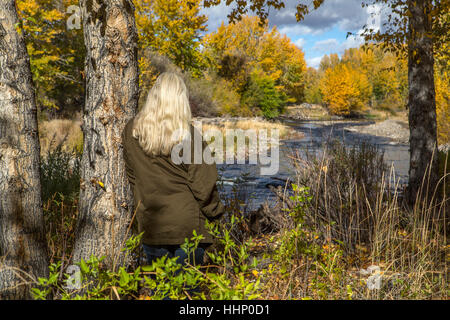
<point x="422" y="102"/>
<point x="23" y="247"/>
<point x="106" y="202"/>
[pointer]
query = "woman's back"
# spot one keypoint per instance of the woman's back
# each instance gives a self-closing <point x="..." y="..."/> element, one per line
<point x="172" y="200"/>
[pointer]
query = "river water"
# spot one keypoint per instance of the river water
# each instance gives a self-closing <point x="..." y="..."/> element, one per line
<point x="255" y="189"/>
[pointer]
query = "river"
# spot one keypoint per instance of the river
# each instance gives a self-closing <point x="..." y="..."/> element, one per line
<point x="255" y="188"/>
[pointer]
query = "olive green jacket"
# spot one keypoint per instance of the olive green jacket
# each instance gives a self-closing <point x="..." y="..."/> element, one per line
<point x="171" y="200"/>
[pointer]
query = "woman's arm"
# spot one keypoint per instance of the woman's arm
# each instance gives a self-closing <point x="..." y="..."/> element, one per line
<point x="128" y="168"/>
<point x="202" y="182"/>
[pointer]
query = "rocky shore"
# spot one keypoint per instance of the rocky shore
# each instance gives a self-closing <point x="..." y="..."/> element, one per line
<point x="395" y="130"/>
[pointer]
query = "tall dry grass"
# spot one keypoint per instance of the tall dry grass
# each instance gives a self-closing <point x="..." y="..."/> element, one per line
<point x="246" y="124"/>
<point x="356" y="228"/>
<point x="64" y="132"/>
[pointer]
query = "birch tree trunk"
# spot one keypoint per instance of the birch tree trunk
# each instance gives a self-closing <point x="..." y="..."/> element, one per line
<point x="105" y="205"/>
<point x="23" y="248"/>
<point x="422" y="101"/>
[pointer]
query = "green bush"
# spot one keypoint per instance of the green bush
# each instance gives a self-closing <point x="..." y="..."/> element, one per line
<point x="60" y="173"/>
<point x="262" y="93"/>
<point x="231" y="276"/>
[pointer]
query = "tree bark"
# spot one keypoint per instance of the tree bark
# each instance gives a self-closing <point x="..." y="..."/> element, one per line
<point x="106" y="202"/>
<point x="422" y="101"/>
<point x="23" y="247"/>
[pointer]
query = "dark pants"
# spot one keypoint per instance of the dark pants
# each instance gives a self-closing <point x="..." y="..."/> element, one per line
<point x="154" y="252"/>
<point x="171" y="251"/>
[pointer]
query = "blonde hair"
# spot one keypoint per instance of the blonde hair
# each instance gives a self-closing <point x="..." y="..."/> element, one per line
<point x="166" y="110"/>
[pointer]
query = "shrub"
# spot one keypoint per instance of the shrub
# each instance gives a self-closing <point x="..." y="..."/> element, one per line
<point x="228" y="100"/>
<point x="232" y="277"/>
<point x="60" y="173"/>
<point x="262" y="93"/>
<point x="344" y="183"/>
<point x="64" y="132"/>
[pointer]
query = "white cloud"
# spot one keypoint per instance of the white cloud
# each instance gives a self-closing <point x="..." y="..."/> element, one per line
<point x="216" y="15"/>
<point x="353" y="41"/>
<point x="314" y="62"/>
<point x="300" y="42"/>
<point x="326" y="45"/>
<point x="348" y="15"/>
<point x="295" y="30"/>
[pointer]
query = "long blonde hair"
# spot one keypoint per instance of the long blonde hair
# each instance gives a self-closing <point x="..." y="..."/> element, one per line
<point x="166" y="110"/>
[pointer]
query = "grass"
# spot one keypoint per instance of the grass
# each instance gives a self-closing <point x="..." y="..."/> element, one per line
<point x="64" y="132"/>
<point x="315" y="112"/>
<point x="285" y="132"/>
<point x="337" y="231"/>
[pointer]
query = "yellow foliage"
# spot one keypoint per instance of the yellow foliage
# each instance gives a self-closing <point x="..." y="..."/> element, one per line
<point x="386" y="74"/>
<point x="243" y="37"/>
<point x="442" y="81"/>
<point x="56" y="57"/>
<point x="172" y="28"/>
<point x="344" y="89"/>
<point x="261" y="49"/>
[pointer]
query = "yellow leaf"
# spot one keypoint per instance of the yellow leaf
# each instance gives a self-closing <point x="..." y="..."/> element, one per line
<point x="101" y="184"/>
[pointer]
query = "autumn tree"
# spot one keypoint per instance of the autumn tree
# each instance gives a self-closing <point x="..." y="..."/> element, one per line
<point x="312" y="89"/>
<point x="385" y="71"/>
<point x="344" y="90"/>
<point x="442" y="79"/>
<point x="23" y="247"/>
<point x="106" y="202"/>
<point x="329" y="61"/>
<point x="56" y="54"/>
<point x="172" y="28"/>
<point x="263" y="94"/>
<point x="246" y="46"/>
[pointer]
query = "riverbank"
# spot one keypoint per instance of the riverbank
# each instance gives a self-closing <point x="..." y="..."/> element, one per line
<point x="396" y="130"/>
<point x="382" y="123"/>
<point x="246" y="123"/>
<point x="68" y="132"/>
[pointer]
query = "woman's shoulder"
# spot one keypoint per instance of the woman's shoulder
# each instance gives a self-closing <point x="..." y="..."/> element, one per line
<point x="129" y="124"/>
<point x="126" y="133"/>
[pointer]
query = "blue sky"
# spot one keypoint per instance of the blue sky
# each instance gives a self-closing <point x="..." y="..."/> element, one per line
<point x="323" y="31"/>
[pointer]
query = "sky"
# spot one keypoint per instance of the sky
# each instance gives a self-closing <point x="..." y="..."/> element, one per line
<point x="322" y="32"/>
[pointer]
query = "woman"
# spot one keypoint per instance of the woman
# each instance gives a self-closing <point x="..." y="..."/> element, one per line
<point x="171" y="199"/>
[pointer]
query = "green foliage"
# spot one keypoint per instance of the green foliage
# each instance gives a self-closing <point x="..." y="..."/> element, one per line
<point x="170" y="279"/>
<point x="231" y="277"/>
<point x="211" y="95"/>
<point x="91" y="280"/>
<point x="60" y="174"/>
<point x="262" y="93"/>
<point x="312" y="89"/>
<point x="236" y="279"/>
